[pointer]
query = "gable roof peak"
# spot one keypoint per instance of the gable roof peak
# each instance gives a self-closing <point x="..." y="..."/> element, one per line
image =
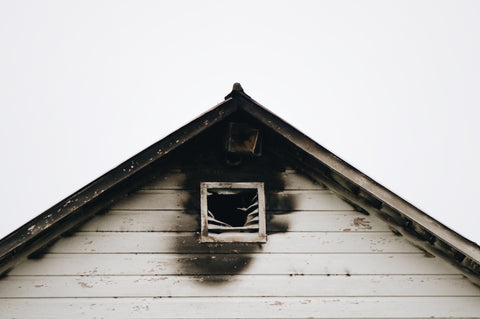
<point x="32" y="238"/>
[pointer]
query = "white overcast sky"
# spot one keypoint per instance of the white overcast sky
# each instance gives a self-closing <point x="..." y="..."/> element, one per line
<point x="392" y="87"/>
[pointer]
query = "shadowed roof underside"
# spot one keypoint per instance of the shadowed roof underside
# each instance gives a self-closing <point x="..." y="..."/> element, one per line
<point x="310" y="158"/>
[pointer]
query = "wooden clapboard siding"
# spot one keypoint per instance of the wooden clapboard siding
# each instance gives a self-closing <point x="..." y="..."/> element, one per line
<point x="252" y="307"/>
<point x="258" y="264"/>
<point x="188" y="242"/>
<point x="176" y="179"/>
<point x="282" y="200"/>
<point x="235" y="286"/>
<point x="184" y="221"/>
<point x="322" y="259"/>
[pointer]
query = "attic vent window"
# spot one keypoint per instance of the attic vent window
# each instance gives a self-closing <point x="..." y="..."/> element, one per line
<point x="244" y="139"/>
<point x="232" y="212"/>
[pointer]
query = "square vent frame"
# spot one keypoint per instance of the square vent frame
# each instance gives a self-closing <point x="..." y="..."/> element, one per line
<point x="214" y="230"/>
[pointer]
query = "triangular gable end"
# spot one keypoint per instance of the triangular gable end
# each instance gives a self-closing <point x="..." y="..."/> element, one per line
<point x="305" y="154"/>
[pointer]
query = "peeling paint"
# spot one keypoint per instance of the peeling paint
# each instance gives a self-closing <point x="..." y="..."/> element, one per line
<point x="277" y="303"/>
<point x="360" y="222"/>
<point x="84" y="285"/>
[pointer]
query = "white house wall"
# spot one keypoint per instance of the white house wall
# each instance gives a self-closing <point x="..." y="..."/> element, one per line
<point x="322" y="259"/>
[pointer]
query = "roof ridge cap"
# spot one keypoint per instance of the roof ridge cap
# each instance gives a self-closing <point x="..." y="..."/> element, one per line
<point x="237" y="89"/>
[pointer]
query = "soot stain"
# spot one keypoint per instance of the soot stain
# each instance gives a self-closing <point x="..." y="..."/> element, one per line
<point x="203" y="160"/>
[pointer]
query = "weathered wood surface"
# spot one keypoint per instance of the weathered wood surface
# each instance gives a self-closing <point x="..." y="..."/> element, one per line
<point x="183" y="199"/>
<point x="177" y="179"/>
<point x="229" y="264"/>
<point x="252" y="307"/>
<point x="234" y="286"/>
<point x="143" y="259"/>
<point x="164" y="220"/>
<point x="188" y="242"/>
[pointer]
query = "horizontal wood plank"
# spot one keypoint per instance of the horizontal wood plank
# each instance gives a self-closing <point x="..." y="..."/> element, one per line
<point x="188" y="242"/>
<point x="254" y="307"/>
<point x="182" y="199"/>
<point x="231" y="264"/>
<point x="234" y="286"/>
<point x="126" y="220"/>
<point x="176" y="179"/>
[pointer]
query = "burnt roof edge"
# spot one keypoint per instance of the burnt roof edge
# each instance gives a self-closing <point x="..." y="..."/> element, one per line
<point x="23" y="238"/>
<point x="312" y="148"/>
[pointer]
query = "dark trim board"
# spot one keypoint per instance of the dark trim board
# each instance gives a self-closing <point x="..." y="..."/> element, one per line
<point x="311" y="158"/>
<point x="359" y="189"/>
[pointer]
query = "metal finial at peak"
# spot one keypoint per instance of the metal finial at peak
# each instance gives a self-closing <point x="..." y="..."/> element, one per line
<point x="237" y="87"/>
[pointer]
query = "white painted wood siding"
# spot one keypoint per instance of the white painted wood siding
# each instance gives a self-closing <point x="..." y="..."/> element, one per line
<point x="322" y="259"/>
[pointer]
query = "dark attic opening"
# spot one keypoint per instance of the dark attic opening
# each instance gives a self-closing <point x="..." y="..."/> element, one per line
<point x="233" y="208"/>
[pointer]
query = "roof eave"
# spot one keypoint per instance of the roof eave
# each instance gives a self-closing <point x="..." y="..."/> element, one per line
<point x="333" y="162"/>
<point x="32" y="236"/>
